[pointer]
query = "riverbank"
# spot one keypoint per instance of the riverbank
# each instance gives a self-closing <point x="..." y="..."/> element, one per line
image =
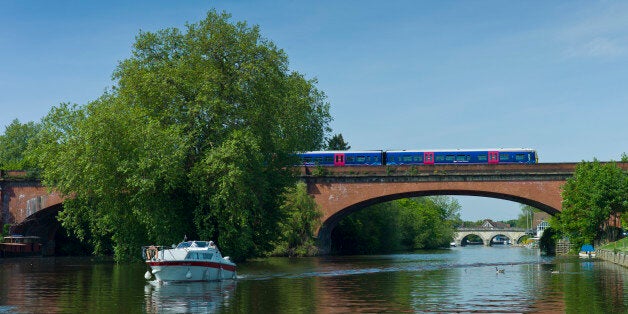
<point x="619" y="258"/>
<point x="615" y="252"/>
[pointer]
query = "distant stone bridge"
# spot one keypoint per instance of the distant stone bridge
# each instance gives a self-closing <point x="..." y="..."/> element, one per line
<point x="488" y="234"/>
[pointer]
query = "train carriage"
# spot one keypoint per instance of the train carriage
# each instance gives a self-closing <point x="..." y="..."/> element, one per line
<point x="461" y="156"/>
<point x="342" y="158"/>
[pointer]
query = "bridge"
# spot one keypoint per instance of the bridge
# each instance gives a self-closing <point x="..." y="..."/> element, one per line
<point x="488" y="234"/>
<point x="340" y="191"/>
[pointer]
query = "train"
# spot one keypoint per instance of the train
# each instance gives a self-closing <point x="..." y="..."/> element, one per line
<point x="418" y="157"/>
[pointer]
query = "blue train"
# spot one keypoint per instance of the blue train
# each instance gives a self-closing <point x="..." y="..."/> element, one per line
<point x="419" y="157"/>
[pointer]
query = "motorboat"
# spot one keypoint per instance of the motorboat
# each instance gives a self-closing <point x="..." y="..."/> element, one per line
<point x="188" y="261"/>
<point x="587" y="251"/>
<point x="19" y="246"/>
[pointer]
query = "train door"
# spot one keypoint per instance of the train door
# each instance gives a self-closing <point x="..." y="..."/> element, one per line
<point x="339" y="159"/>
<point x="493" y="157"/>
<point x="428" y="158"/>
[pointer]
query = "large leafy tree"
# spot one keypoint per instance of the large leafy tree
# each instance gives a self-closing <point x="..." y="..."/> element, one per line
<point x="596" y="192"/>
<point x="194" y="139"/>
<point x="13" y="145"/>
<point x="301" y="221"/>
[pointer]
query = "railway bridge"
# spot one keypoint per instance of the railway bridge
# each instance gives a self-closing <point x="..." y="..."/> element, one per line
<point x="339" y="191"/>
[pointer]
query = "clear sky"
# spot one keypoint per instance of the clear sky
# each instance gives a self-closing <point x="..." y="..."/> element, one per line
<point x="549" y="75"/>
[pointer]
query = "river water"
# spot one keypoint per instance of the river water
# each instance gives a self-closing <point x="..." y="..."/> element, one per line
<point x="462" y="279"/>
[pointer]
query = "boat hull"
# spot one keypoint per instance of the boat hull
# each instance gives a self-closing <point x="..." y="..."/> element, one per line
<point x="191" y="271"/>
<point x="586" y="255"/>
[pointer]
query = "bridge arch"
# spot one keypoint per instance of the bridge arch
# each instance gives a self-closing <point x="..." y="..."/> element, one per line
<point x="339" y="196"/>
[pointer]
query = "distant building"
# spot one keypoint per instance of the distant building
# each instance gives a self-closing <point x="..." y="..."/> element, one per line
<point x="540" y="228"/>
<point x="489" y="224"/>
<point x="540" y="222"/>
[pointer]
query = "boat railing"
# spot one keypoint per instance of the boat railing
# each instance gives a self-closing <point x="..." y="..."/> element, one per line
<point x="151" y="252"/>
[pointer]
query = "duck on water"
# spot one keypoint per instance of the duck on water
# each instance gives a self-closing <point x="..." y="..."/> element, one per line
<point x="188" y="261"/>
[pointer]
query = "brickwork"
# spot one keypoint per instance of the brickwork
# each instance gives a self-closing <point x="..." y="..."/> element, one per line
<point x="22" y="198"/>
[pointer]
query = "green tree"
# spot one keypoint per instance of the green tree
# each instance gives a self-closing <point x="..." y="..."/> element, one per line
<point x="426" y="223"/>
<point x="13" y="145"/>
<point x="524" y="220"/>
<point x="417" y="223"/>
<point x="596" y="192"/>
<point x="194" y="139"/>
<point x="337" y="142"/>
<point x="301" y="220"/>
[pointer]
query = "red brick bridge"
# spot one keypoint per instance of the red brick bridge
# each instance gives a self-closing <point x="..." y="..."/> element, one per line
<point x="343" y="190"/>
<point x="339" y="191"/>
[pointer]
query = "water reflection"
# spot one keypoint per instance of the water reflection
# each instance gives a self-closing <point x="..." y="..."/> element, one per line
<point x="456" y="280"/>
<point x="188" y="297"/>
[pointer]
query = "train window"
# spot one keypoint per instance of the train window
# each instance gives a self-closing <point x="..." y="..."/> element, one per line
<point x="450" y="158"/>
<point x="360" y="159"/>
<point x="462" y="158"/>
<point x="375" y="158"/>
<point x="329" y="159"/>
<point x="439" y="158"/>
<point x="307" y="159"/>
<point x="520" y="157"/>
<point x="482" y="158"/>
<point x="318" y="160"/>
<point x="418" y="158"/>
<point x="350" y="159"/>
<point x="368" y="158"/>
<point x="407" y="158"/>
<point x="504" y="157"/>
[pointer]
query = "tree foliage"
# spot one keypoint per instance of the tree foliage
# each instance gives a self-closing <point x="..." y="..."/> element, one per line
<point x="301" y="219"/>
<point x="194" y="139"/>
<point x="337" y="142"/>
<point x="418" y="223"/>
<point x="596" y="192"/>
<point x="14" y="143"/>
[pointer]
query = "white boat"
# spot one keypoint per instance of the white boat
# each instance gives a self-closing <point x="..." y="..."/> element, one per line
<point x="587" y="251"/>
<point x="188" y="261"/>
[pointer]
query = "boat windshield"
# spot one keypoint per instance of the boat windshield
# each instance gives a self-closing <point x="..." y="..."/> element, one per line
<point x="183" y="245"/>
<point x="187" y="244"/>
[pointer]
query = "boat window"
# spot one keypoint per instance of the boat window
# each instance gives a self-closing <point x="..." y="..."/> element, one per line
<point x="183" y="245"/>
<point x="201" y="243"/>
<point x="192" y="255"/>
<point x="208" y="256"/>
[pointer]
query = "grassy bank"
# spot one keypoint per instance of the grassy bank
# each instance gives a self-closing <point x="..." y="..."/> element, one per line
<point x="617" y="246"/>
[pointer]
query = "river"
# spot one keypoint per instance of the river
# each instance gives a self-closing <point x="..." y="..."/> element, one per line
<point x="462" y="279"/>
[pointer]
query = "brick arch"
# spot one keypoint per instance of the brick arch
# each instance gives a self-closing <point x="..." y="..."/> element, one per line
<point x="339" y="195"/>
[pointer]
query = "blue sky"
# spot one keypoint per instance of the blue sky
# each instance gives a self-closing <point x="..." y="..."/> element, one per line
<point x="398" y="74"/>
